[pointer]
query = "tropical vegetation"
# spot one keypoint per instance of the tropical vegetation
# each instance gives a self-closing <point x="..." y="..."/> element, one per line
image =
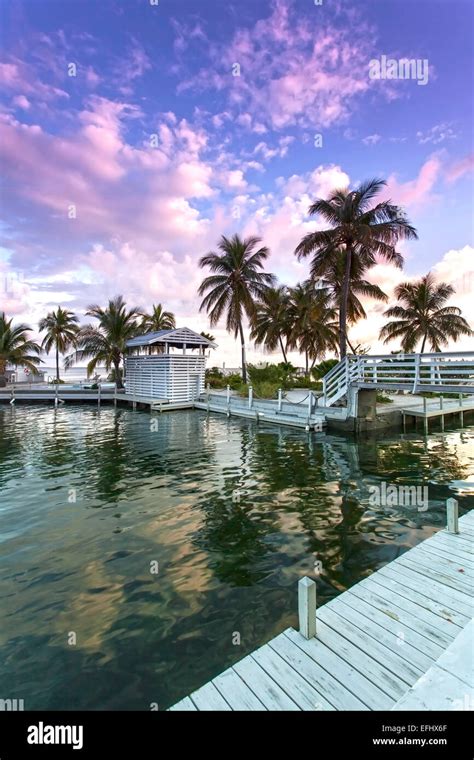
<point x="422" y="316"/>
<point x="106" y="343"/>
<point x="16" y="347"/>
<point x="61" y="328"/>
<point x="359" y="234"/>
<point x="237" y="282"/>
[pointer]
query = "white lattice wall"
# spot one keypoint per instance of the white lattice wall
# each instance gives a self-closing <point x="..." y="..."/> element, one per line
<point x="175" y="377"/>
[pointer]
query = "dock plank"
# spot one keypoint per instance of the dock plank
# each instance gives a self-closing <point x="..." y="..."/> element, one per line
<point x="264" y="687"/>
<point x="236" y="693"/>
<point x="389" y="657"/>
<point x="373" y="697"/>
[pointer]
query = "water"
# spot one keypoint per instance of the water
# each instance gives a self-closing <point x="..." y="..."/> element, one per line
<point x="89" y="500"/>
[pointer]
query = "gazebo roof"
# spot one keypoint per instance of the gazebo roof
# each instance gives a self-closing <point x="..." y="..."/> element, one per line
<point x="177" y="338"/>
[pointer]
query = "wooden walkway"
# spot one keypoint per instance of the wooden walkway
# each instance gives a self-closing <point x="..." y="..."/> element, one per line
<point x="400" y="639"/>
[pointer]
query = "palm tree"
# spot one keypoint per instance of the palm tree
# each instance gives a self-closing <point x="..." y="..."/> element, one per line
<point x="16" y="347"/>
<point x="61" y="331"/>
<point x="421" y="314"/>
<point x="235" y="285"/>
<point x="107" y="342"/>
<point x="333" y="280"/>
<point x="362" y="231"/>
<point x="270" y="325"/>
<point x="208" y="336"/>
<point x="312" y="316"/>
<point x="158" y="320"/>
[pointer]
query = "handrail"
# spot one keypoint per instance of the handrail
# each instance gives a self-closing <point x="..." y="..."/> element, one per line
<point x="413" y="372"/>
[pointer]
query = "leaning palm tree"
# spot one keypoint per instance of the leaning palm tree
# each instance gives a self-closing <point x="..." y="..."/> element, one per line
<point x="61" y="328"/>
<point x="270" y="325"/>
<point x="363" y="231"/>
<point x="106" y="343"/>
<point x="333" y="280"/>
<point x="159" y="319"/>
<point x="313" y="319"/>
<point x="422" y="315"/>
<point x="235" y="284"/>
<point x="16" y="348"/>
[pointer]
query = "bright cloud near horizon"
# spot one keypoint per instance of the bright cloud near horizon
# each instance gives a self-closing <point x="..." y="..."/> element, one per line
<point x="134" y="134"/>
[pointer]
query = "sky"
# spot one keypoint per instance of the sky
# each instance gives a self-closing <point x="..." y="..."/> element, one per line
<point x="134" y="133"/>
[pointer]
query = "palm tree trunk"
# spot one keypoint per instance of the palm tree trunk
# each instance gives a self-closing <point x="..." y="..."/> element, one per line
<point x="3" y="367"/>
<point x="118" y="378"/>
<point x="423" y="344"/>
<point x="343" y="305"/>
<point x="306" y="363"/>
<point x="282" y="349"/>
<point x="242" y="343"/>
<point x="57" y="364"/>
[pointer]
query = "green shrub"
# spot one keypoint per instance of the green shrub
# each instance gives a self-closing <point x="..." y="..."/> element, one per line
<point x="381" y="399"/>
<point x="323" y="368"/>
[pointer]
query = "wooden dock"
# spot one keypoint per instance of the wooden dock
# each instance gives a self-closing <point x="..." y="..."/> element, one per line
<point x="402" y="638"/>
<point x="439" y="409"/>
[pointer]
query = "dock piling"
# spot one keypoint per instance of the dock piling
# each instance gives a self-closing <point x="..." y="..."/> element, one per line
<point x="452" y="510"/>
<point x="307" y="607"/>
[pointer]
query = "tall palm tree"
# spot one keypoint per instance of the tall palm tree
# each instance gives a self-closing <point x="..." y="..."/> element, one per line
<point x="106" y="343"/>
<point x="421" y="314"/>
<point x="313" y="319"/>
<point x="270" y="325"/>
<point x="16" y="347"/>
<point x="61" y="328"/>
<point x="363" y="231"/>
<point x="158" y="319"/>
<point x="236" y="282"/>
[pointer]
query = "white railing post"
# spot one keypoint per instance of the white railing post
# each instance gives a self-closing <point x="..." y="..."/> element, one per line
<point x="310" y="404"/>
<point x="250" y="396"/>
<point x="417" y="372"/>
<point x="280" y="399"/>
<point x="452" y="514"/>
<point x="228" y="395"/>
<point x="307" y="607"/>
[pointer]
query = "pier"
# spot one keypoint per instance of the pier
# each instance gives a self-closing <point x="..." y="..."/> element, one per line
<point x="401" y="639"/>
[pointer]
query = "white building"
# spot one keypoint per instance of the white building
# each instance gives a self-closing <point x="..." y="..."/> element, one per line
<point x="168" y="365"/>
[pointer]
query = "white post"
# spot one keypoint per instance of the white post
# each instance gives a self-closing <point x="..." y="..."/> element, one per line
<point x="452" y="513"/>
<point x="417" y="372"/>
<point x="228" y="395"/>
<point x="279" y="399"/>
<point x="307" y="607"/>
<point x="250" y="396"/>
<point x="56" y="395"/>
<point x="310" y="404"/>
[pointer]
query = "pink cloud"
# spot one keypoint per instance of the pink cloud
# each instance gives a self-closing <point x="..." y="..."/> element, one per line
<point x="419" y="190"/>
<point x="292" y="71"/>
<point x="21" y="78"/>
<point x="460" y="168"/>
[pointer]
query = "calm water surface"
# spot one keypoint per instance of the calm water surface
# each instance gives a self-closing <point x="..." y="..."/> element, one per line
<point x="232" y="513"/>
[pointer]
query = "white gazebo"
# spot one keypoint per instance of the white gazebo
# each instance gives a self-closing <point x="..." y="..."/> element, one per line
<point x="168" y="365"/>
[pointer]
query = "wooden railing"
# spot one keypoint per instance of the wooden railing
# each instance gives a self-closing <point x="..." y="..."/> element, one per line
<point x="436" y="372"/>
